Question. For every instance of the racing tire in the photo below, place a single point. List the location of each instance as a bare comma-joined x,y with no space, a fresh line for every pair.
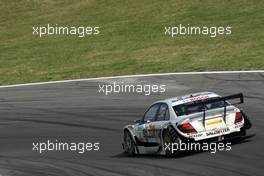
129,144
169,140
248,124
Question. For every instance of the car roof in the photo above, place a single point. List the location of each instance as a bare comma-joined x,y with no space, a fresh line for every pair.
189,98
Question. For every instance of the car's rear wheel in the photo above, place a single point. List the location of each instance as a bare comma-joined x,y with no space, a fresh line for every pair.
170,144
129,144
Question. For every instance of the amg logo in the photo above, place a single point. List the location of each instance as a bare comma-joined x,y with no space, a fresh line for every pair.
219,131
196,135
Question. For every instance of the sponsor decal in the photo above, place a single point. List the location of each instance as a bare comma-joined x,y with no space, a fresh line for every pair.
199,98
196,135
150,131
151,126
217,131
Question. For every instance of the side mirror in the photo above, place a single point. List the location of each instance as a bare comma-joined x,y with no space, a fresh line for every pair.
148,121
137,121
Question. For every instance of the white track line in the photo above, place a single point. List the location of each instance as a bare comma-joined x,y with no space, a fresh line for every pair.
131,76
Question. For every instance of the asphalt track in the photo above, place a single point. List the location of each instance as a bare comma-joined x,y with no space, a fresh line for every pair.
76,111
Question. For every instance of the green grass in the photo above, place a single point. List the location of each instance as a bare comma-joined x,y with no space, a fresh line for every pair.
131,41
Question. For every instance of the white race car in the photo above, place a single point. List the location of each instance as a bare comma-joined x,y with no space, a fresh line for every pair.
202,116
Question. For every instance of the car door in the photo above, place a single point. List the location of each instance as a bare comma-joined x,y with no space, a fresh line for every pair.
162,117
144,129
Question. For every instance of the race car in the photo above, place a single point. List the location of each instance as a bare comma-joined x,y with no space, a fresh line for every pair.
202,116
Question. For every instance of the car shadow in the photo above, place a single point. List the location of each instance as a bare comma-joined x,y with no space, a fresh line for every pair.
183,154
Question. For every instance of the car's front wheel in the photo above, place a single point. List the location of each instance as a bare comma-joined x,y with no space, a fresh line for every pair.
129,144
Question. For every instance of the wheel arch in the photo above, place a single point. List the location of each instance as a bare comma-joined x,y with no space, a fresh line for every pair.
127,129
171,129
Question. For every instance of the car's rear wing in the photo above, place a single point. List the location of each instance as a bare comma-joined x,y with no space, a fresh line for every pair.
217,99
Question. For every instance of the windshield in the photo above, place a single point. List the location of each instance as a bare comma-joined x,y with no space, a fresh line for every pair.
183,110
